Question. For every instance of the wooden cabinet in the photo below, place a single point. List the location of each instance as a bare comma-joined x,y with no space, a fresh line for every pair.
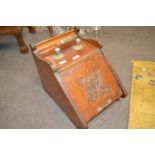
76,74
17,32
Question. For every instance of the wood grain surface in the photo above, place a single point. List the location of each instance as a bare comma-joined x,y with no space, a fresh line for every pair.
71,79
82,82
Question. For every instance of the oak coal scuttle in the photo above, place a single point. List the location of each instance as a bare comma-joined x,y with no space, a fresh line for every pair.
76,74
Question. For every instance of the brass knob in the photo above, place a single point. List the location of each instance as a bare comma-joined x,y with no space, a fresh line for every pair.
78,45
78,41
57,51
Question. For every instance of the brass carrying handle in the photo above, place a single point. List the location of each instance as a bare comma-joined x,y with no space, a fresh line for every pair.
67,40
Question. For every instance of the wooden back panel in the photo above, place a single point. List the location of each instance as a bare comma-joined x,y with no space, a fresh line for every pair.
45,50
54,41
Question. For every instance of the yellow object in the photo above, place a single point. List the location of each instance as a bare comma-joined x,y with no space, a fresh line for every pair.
142,99
58,56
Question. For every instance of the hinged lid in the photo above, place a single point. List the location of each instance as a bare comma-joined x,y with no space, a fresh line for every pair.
65,50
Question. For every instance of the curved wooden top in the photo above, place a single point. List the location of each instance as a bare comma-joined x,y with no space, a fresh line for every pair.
66,42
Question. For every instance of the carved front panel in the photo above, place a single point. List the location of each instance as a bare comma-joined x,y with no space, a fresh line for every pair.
90,85
94,85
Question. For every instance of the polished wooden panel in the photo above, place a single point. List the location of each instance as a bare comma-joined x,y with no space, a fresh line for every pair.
69,54
91,85
48,44
53,88
85,84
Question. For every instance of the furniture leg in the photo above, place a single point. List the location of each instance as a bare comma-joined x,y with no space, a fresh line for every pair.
50,30
20,41
31,29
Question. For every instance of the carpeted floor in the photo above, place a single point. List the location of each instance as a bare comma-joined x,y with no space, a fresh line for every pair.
23,102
